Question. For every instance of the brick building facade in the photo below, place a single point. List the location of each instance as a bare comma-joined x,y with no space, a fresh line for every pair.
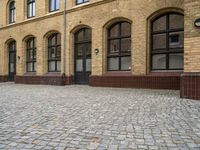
113,43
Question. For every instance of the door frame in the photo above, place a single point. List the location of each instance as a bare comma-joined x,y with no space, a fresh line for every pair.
84,55
11,76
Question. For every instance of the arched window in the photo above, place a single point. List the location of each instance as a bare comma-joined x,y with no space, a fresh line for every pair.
53,5
12,12
54,53
119,47
31,55
30,8
167,46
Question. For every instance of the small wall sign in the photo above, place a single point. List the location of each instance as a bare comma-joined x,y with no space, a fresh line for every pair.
197,23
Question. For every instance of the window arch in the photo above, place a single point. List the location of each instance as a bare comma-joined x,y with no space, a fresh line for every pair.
12,12
30,8
54,53
31,55
53,5
167,42
119,47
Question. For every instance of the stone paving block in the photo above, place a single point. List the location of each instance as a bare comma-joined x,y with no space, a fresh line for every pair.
83,117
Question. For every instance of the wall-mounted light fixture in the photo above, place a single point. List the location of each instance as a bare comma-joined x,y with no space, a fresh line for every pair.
96,51
197,23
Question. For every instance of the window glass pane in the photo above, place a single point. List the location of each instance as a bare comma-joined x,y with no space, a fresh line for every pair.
126,29
29,10
12,19
58,66
12,57
31,43
12,67
176,21
81,1
52,5
58,52
34,9
80,48
30,67
126,63
53,40
88,50
57,4
58,39
81,35
79,65
114,31
160,24
159,41
12,46
159,61
114,46
35,65
88,64
113,63
12,5
126,45
176,61
35,55
29,55
52,52
176,39
52,65
87,34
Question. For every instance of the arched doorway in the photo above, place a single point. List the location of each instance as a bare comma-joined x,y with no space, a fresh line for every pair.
12,61
82,56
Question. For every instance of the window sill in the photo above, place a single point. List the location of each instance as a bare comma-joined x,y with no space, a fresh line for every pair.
30,74
10,24
30,18
81,4
53,74
118,73
165,73
53,12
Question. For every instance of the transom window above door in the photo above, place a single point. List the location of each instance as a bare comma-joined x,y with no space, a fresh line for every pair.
167,42
81,1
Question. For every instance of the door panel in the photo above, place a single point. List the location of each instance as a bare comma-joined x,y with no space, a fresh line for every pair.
12,61
82,57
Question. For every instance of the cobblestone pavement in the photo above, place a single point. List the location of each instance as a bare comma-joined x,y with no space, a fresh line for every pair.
83,117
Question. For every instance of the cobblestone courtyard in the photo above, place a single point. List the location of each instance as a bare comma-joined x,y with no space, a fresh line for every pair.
83,117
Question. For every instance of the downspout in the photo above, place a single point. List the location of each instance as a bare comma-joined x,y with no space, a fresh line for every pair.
65,35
